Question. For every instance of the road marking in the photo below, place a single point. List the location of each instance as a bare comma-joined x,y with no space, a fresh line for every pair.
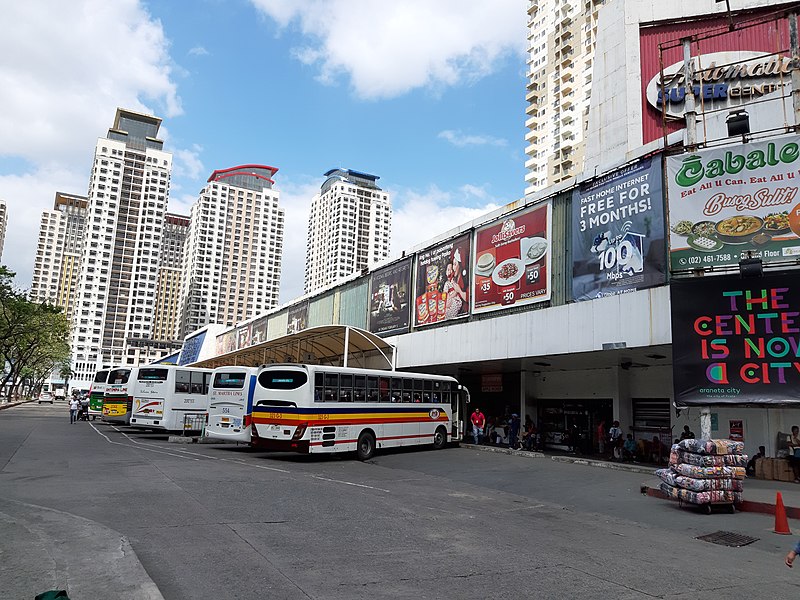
361,485
110,441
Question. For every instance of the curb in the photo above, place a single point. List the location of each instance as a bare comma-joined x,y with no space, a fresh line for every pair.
6,405
590,462
764,508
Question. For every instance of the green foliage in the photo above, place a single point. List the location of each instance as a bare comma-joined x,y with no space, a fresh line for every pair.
34,338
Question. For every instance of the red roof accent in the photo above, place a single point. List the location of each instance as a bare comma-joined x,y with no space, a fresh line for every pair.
242,170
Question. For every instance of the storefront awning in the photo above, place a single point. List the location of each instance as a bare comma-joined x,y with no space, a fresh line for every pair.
338,345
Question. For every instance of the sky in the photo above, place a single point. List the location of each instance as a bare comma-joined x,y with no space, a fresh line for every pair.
427,95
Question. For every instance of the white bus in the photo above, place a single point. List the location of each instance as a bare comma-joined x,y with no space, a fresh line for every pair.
230,403
118,399
97,392
164,395
314,408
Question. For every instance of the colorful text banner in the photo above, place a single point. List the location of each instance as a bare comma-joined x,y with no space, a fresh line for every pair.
442,284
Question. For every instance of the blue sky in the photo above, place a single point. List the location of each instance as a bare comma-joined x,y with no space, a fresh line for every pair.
430,96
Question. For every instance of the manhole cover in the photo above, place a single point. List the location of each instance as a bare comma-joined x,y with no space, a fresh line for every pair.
728,538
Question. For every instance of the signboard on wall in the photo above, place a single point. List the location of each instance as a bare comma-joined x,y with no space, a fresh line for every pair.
389,306
297,319
512,260
258,331
736,430
442,282
728,203
736,341
191,349
618,243
243,333
226,342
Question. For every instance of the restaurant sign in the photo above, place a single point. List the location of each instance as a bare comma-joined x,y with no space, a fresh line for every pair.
735,202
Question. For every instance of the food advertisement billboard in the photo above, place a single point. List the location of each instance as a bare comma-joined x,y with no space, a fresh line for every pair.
297,319
735,202
618,243
512,260
442,284
389,307
735,340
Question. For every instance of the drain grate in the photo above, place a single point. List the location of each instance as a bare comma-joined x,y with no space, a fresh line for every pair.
728,538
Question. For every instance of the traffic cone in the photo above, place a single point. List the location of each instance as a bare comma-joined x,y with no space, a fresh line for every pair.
781,522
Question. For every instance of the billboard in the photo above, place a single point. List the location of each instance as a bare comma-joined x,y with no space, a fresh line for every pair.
226,342
389,307
297,319
442,282
190,351
512,260
618,243
735,341
258,331
735,202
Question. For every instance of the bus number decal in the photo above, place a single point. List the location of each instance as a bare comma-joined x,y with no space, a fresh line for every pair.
226,410
274,415
188,401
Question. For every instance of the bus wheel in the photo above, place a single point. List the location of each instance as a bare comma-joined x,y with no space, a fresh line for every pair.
440,438
366,446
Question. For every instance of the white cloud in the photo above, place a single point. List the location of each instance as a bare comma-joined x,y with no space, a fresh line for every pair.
198,51
296,201
68,66
186,163
390,48
461,140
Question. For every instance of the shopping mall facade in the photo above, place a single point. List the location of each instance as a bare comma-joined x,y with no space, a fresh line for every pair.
661,282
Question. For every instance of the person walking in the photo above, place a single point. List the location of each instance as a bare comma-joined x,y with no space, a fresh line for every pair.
478,421
513,431
73,409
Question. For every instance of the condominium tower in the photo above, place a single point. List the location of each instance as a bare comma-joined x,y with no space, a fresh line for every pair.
166,322
127,199
561,45
349,228
58,252
232,261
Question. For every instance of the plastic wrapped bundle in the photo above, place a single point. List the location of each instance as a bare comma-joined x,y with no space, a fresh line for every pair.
715,447
698,485
678,456
710,497
696,472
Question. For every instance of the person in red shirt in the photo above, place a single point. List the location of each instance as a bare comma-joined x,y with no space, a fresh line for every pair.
601,437
478,421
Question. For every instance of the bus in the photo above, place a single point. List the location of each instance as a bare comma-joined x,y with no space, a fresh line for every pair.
315,408
230,403
96,393
117,399
163,395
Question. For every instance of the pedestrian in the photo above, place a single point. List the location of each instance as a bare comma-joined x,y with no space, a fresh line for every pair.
615,440
601,437
687,434
513,431
73,409
792,555
478,421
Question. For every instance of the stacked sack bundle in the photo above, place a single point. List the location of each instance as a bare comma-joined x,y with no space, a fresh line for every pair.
705,472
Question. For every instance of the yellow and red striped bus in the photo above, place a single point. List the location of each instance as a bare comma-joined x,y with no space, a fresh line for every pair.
118,395
316,408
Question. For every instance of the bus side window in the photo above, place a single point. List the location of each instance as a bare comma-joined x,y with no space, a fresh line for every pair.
206,382
360,388
397,389
418,386
385,389
331,387
318,387
182,382
445,397
408,388
345,388
373,391
196,382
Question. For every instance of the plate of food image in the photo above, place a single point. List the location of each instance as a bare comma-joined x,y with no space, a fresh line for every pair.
508,272
485,264
739,229
533,249
704,243
777,223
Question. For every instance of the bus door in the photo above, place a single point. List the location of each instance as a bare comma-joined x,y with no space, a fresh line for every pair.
458,406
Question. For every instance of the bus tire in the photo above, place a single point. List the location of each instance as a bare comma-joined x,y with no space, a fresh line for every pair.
365,449
440,438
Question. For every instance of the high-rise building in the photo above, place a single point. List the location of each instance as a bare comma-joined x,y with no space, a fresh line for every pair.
561,45
3,226
166,324
349,228
127,200
232,261
58,252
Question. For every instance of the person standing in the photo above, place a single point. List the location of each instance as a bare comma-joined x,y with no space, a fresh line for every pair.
478,421
513,431
601,437
73,409
687,434
615,440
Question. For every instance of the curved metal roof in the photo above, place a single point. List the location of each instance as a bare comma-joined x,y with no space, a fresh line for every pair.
338,345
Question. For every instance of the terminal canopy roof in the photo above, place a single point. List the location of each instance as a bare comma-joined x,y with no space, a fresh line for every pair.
337,345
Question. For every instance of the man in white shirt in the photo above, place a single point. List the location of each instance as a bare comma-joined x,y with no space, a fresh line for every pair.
73,409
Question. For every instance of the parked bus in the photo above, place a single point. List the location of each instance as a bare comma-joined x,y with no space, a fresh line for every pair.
314,408
163,395
230,403
117,400
96,393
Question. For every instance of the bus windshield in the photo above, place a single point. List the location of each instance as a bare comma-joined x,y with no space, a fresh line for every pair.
100,377
229,381
153,374
119,376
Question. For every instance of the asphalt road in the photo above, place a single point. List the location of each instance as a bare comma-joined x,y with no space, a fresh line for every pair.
224,522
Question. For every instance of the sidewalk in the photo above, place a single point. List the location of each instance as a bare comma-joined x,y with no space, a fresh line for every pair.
5,405
759,494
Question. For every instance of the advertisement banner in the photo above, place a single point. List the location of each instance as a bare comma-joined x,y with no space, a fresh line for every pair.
389,309
441,287
736,341
258,329
190,351
243,333
512,260
730,203
226,342
297,319
618,243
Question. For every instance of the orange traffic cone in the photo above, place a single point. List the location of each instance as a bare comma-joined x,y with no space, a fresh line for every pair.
781,522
